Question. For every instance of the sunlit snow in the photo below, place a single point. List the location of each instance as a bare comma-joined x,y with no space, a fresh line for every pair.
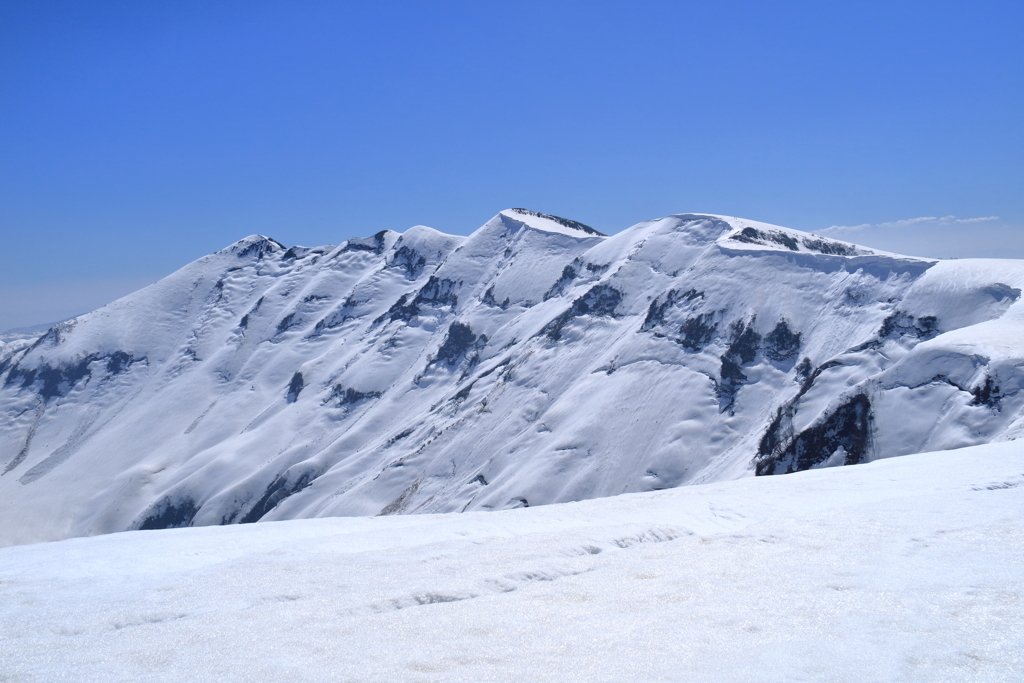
908,569
534,362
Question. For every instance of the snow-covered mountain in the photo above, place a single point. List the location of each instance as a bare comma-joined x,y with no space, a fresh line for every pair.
535,361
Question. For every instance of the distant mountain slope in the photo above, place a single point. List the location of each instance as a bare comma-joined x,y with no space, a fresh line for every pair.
20,333
534,362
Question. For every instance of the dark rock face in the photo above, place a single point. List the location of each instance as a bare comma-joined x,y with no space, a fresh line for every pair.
294,388
400,310
988,394
55,380
408,259
803,370
848,426
297,253
999,291
459,341
781,343
900,324
823,246
58,380
346,396
54,336
778,345
437,292
731,372
659,307
118,362
170,513
781,428
373,244
259,248
566,279
279,489
746,342
286,323
336,318
601,300
764,237
575,225
698,332
489,299
244,322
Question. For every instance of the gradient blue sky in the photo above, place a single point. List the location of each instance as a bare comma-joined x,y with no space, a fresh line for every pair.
137,136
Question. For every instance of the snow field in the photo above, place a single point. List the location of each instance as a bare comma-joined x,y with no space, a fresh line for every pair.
907,569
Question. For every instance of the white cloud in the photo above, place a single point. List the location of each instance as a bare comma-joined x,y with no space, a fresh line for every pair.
846,228
908,222
977,220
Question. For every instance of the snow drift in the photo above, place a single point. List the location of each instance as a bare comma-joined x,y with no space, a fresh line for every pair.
903,570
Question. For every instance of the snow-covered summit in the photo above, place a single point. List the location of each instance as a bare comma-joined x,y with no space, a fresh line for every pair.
534,361
754,236
544,221
256,246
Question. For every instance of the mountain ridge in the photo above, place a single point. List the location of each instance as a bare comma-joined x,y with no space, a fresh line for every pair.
530,362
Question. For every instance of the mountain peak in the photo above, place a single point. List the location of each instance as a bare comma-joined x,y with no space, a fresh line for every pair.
545,221
750,235
740,234
255,245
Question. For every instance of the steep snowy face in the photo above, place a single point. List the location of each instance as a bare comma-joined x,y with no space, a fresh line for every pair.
536,361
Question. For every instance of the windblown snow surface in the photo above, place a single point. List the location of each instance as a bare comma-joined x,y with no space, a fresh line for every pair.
534,362
908,569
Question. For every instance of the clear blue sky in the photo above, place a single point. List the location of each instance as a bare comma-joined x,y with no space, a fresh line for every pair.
137,136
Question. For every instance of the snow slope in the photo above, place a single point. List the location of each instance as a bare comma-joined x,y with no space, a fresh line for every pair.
534,362
901,570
